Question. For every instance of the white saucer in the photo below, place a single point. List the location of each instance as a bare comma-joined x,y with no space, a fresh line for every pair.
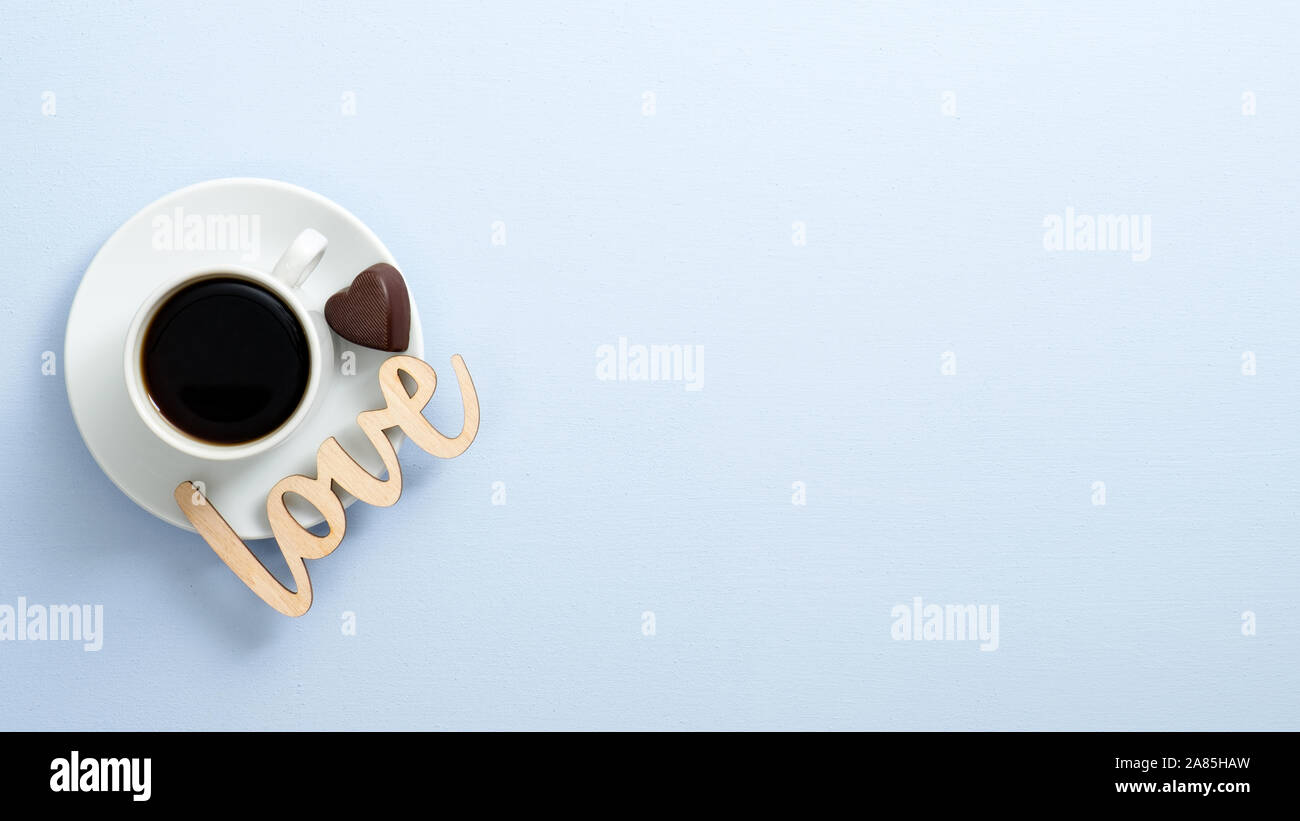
123,274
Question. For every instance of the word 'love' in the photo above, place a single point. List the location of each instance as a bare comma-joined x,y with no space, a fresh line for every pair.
335,467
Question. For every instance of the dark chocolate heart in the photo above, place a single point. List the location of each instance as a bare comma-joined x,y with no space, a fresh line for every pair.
374,311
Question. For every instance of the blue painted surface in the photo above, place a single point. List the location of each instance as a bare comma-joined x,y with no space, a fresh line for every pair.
822,363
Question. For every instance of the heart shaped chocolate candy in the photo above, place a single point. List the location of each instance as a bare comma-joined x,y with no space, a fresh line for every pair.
374,311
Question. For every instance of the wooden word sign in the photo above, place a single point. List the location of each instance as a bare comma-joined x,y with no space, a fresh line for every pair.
335,467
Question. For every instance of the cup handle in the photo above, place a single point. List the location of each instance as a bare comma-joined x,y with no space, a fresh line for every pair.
300,258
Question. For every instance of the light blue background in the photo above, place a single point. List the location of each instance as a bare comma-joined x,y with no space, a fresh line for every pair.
822,363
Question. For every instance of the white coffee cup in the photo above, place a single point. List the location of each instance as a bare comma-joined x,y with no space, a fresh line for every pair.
284,281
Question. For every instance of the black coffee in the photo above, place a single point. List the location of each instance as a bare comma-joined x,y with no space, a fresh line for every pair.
225,360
